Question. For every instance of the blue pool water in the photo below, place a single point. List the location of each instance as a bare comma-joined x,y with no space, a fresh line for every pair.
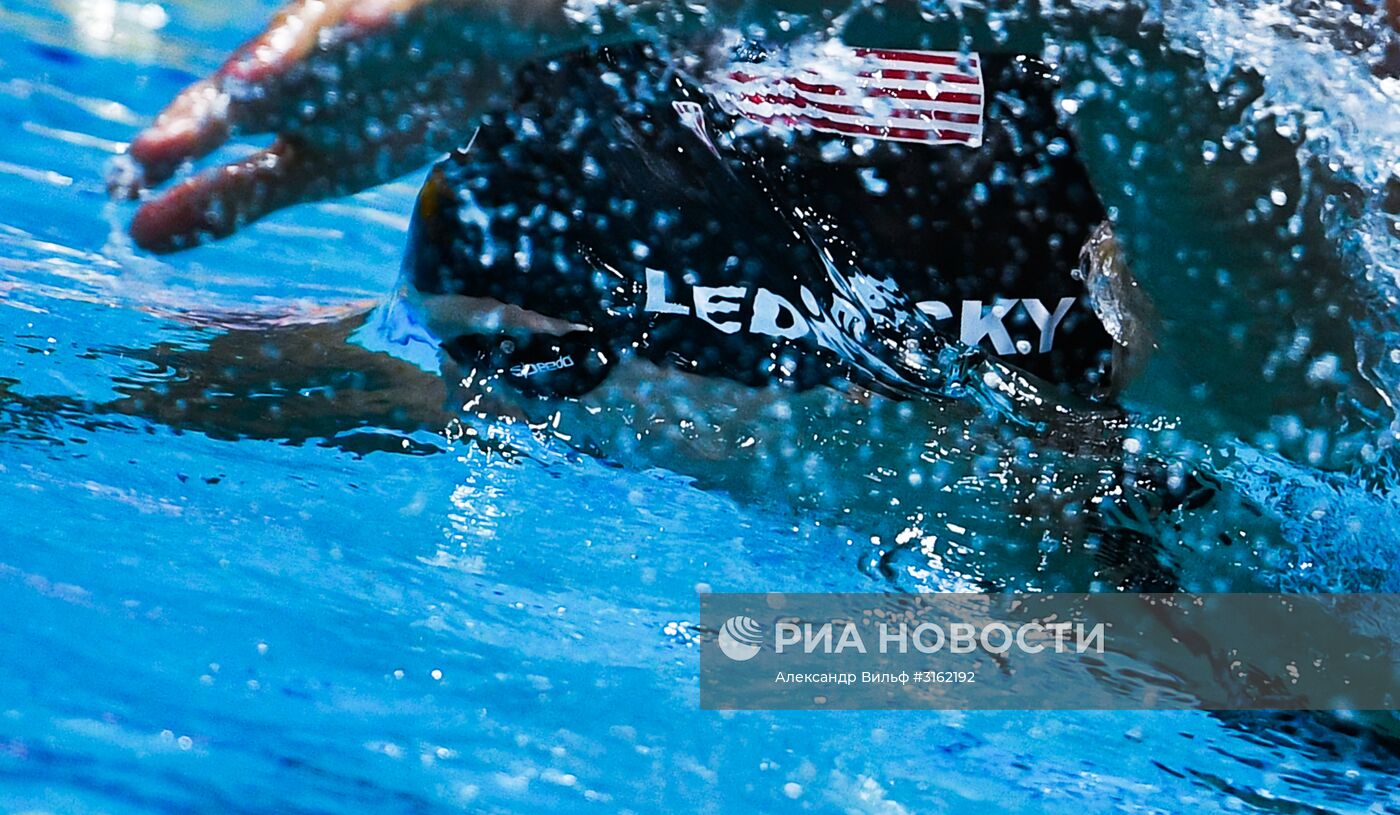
247,622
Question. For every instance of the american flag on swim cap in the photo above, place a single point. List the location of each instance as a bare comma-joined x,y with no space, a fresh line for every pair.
928,97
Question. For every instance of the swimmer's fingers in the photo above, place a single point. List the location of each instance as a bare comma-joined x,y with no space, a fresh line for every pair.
218,202
204,115
189,127
390,131
215,202
254,89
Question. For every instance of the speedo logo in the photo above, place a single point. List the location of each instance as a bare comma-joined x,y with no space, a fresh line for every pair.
529,369
773,315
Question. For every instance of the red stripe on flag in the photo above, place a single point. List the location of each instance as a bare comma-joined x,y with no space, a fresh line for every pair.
959,98
812,87
919,76
912,76
852,110
915,56
925,96
819,122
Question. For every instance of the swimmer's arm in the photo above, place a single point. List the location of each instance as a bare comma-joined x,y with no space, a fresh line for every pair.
355,91
361,91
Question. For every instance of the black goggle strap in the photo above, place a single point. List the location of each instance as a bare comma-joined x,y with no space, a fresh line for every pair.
539,365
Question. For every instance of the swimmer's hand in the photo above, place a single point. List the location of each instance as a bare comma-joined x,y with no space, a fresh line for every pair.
356,92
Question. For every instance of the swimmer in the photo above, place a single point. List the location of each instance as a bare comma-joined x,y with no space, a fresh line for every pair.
911,211
721,243
870,303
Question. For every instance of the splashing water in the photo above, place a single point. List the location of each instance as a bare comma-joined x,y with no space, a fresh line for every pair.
225,592
1330,84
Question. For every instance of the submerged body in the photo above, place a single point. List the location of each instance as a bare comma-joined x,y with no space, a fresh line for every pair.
707,277
640,256
649,259
750,228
